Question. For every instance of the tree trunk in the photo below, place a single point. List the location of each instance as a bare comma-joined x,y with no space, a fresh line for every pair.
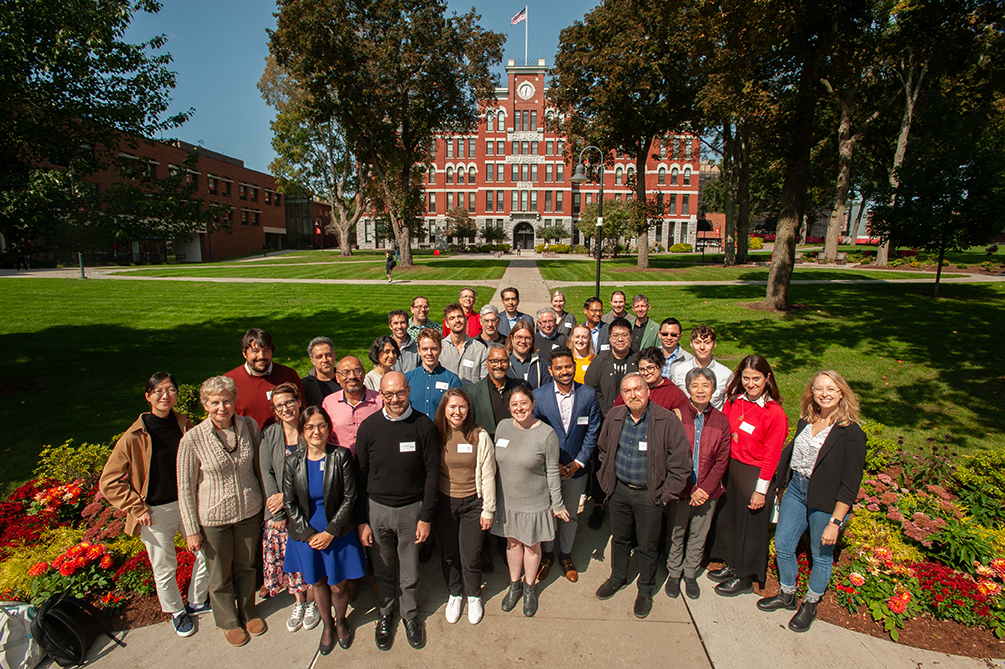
938,269
727,173
643,205
846,144
743,193
343,242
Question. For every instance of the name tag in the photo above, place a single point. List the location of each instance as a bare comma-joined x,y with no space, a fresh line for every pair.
407,447
747,427
643,445
268,395
442,385
585,367
567,325
321,465
502,443
605,347
467,363
465,448
583,420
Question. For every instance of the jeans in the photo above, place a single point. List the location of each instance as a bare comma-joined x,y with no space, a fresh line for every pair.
793,518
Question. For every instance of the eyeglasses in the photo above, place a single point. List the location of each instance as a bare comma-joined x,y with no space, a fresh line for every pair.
285,406
164,392
645,371
352,372
401,394
497,363
829,389
621,336
672,335
490,320
320,427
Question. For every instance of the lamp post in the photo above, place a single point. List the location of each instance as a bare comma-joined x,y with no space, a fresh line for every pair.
580,178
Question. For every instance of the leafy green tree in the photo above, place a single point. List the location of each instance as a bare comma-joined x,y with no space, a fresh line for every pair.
393,74
460,225
492,234
70,91
550,233
617,223
625,78
312,157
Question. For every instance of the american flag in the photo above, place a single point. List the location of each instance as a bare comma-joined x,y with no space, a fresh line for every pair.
520,16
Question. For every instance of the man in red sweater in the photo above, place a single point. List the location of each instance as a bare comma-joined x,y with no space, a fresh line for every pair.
257,377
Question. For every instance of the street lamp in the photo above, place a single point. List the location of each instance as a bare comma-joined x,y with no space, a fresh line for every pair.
580,178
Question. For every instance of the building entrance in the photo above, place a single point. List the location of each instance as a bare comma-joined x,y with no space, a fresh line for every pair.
523,234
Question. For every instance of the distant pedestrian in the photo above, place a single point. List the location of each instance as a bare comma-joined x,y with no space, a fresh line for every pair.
265,251
389,264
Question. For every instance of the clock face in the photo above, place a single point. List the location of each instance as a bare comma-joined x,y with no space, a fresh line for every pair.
525,90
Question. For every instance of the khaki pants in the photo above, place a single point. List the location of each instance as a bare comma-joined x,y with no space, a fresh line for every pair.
158,537
232,593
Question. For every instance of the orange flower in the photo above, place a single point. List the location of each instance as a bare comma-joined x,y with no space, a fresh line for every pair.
882,553
989,588
897,604
999,566
38,569
905,596
107,562
67,569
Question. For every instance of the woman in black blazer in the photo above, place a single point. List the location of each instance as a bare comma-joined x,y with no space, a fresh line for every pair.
319,492
822,468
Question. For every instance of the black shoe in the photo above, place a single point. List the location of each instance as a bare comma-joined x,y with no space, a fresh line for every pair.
691,588
413,632
346,642
609,588
425,552
722,575
384,635
783,600
643,604
326,648
735,586
529,600
804,617
512,596
596,518
672,588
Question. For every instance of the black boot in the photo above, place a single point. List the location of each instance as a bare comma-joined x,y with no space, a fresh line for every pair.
804,617
722,575
529,600
512,596
735,586
783,600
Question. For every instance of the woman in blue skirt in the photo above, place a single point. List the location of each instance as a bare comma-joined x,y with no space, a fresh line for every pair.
319,492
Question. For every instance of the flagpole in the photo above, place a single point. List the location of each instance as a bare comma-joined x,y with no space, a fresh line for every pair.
526,27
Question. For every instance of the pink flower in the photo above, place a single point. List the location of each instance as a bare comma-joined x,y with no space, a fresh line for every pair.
872,507
896,604
989,588
856,578
882,552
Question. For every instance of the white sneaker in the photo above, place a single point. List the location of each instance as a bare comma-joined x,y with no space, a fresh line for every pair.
454,605
296,619
311,616
475,610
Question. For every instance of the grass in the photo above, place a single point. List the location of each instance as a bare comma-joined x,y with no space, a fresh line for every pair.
456,269
922,367
79,352
689,268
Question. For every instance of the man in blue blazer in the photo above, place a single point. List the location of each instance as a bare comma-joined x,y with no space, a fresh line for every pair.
572,410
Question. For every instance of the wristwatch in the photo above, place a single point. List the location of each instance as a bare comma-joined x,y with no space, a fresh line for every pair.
836,521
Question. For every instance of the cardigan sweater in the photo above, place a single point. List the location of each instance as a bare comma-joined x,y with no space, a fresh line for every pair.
837,473
216,487
126,475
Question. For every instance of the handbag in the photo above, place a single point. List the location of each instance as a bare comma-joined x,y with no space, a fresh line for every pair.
66,627
18,650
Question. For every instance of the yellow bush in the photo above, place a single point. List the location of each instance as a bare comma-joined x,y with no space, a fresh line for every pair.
14,578
871,528
755,243
67,462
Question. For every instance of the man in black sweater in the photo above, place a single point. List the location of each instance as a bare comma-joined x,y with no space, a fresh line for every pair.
398,450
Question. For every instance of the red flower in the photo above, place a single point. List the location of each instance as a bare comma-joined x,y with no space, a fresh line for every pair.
896,604
67,569
107,562
38,569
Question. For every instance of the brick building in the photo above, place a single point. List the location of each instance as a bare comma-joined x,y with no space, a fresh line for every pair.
511,173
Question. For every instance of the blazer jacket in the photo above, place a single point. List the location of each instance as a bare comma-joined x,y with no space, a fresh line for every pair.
272,455
650,333
584,427
481,402
668,461
837,473
339,491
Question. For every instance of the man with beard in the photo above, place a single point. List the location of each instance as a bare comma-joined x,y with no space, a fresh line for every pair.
408,352
487,395
490,326
349,407
257,377
618,302
320,381
462,354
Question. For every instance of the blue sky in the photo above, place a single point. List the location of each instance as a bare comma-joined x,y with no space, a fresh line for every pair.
219,49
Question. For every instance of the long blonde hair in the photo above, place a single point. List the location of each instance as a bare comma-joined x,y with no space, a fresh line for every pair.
847,411
589,340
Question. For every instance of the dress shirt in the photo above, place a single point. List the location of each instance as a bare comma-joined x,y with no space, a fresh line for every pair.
807,446
428,387
565,402
346,418
630,460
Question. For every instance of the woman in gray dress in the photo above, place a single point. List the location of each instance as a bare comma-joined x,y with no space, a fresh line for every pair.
528,494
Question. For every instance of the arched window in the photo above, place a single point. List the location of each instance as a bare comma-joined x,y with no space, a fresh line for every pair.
500,122
687,176
450,175
630,174
432,174
673,177
661,178
490,120
460,175
619,176
471,175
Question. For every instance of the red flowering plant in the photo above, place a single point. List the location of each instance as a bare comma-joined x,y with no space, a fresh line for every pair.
83,569
136,574
950,594
18,526
62,499
887,589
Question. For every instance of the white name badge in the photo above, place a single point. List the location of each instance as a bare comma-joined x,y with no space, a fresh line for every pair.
407,447
467,363
442,385
605,347
268,395
465,448
585,367
643,445
567,325
502,443
747,427
583,420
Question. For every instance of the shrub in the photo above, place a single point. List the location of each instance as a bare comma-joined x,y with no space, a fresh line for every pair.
868,528
980,483
539,248
755,243
897,262
961,545
560,248
20,527
579,248
962,266
136,574
952,595
67,462
880,450
15,576
681,247
188,402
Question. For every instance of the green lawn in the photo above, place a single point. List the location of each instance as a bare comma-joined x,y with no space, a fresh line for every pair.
332,255
79,352
924,367
689,268
453,269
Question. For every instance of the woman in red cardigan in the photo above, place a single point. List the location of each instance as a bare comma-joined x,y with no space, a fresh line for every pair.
759,427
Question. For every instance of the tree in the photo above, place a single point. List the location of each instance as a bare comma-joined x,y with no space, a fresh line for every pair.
69,82
461,225
624,78
312,157
617,223
393,74
492,234
550,233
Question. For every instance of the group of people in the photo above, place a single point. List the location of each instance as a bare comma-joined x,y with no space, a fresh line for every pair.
490,426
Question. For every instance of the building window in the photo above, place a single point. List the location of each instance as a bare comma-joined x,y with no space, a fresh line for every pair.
490,172
489,200
514,204
432,203
661,178
533,200
490,148
225,189
471,147
687,176
533,121
619,176
450,202
244,217
501,148
560,172
515,148
589,198
254,194
535,149
471,175
547,201
526,120
549,148
501,172
471,202
524,148
276,199
687,150
547,173
268,196
617,196
500,202
515,173
432,174
663,149
673,176
576,200
211,184
659,233
460,175
659,203
685,202
560,147
558,201
525,172
450,148
533,173
242,192
490,121
501,123
672,205
523,200
450,175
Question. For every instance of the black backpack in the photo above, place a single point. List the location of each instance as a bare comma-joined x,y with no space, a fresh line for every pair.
66,627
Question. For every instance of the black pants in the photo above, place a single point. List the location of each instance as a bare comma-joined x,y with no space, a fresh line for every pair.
631,508
459,532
